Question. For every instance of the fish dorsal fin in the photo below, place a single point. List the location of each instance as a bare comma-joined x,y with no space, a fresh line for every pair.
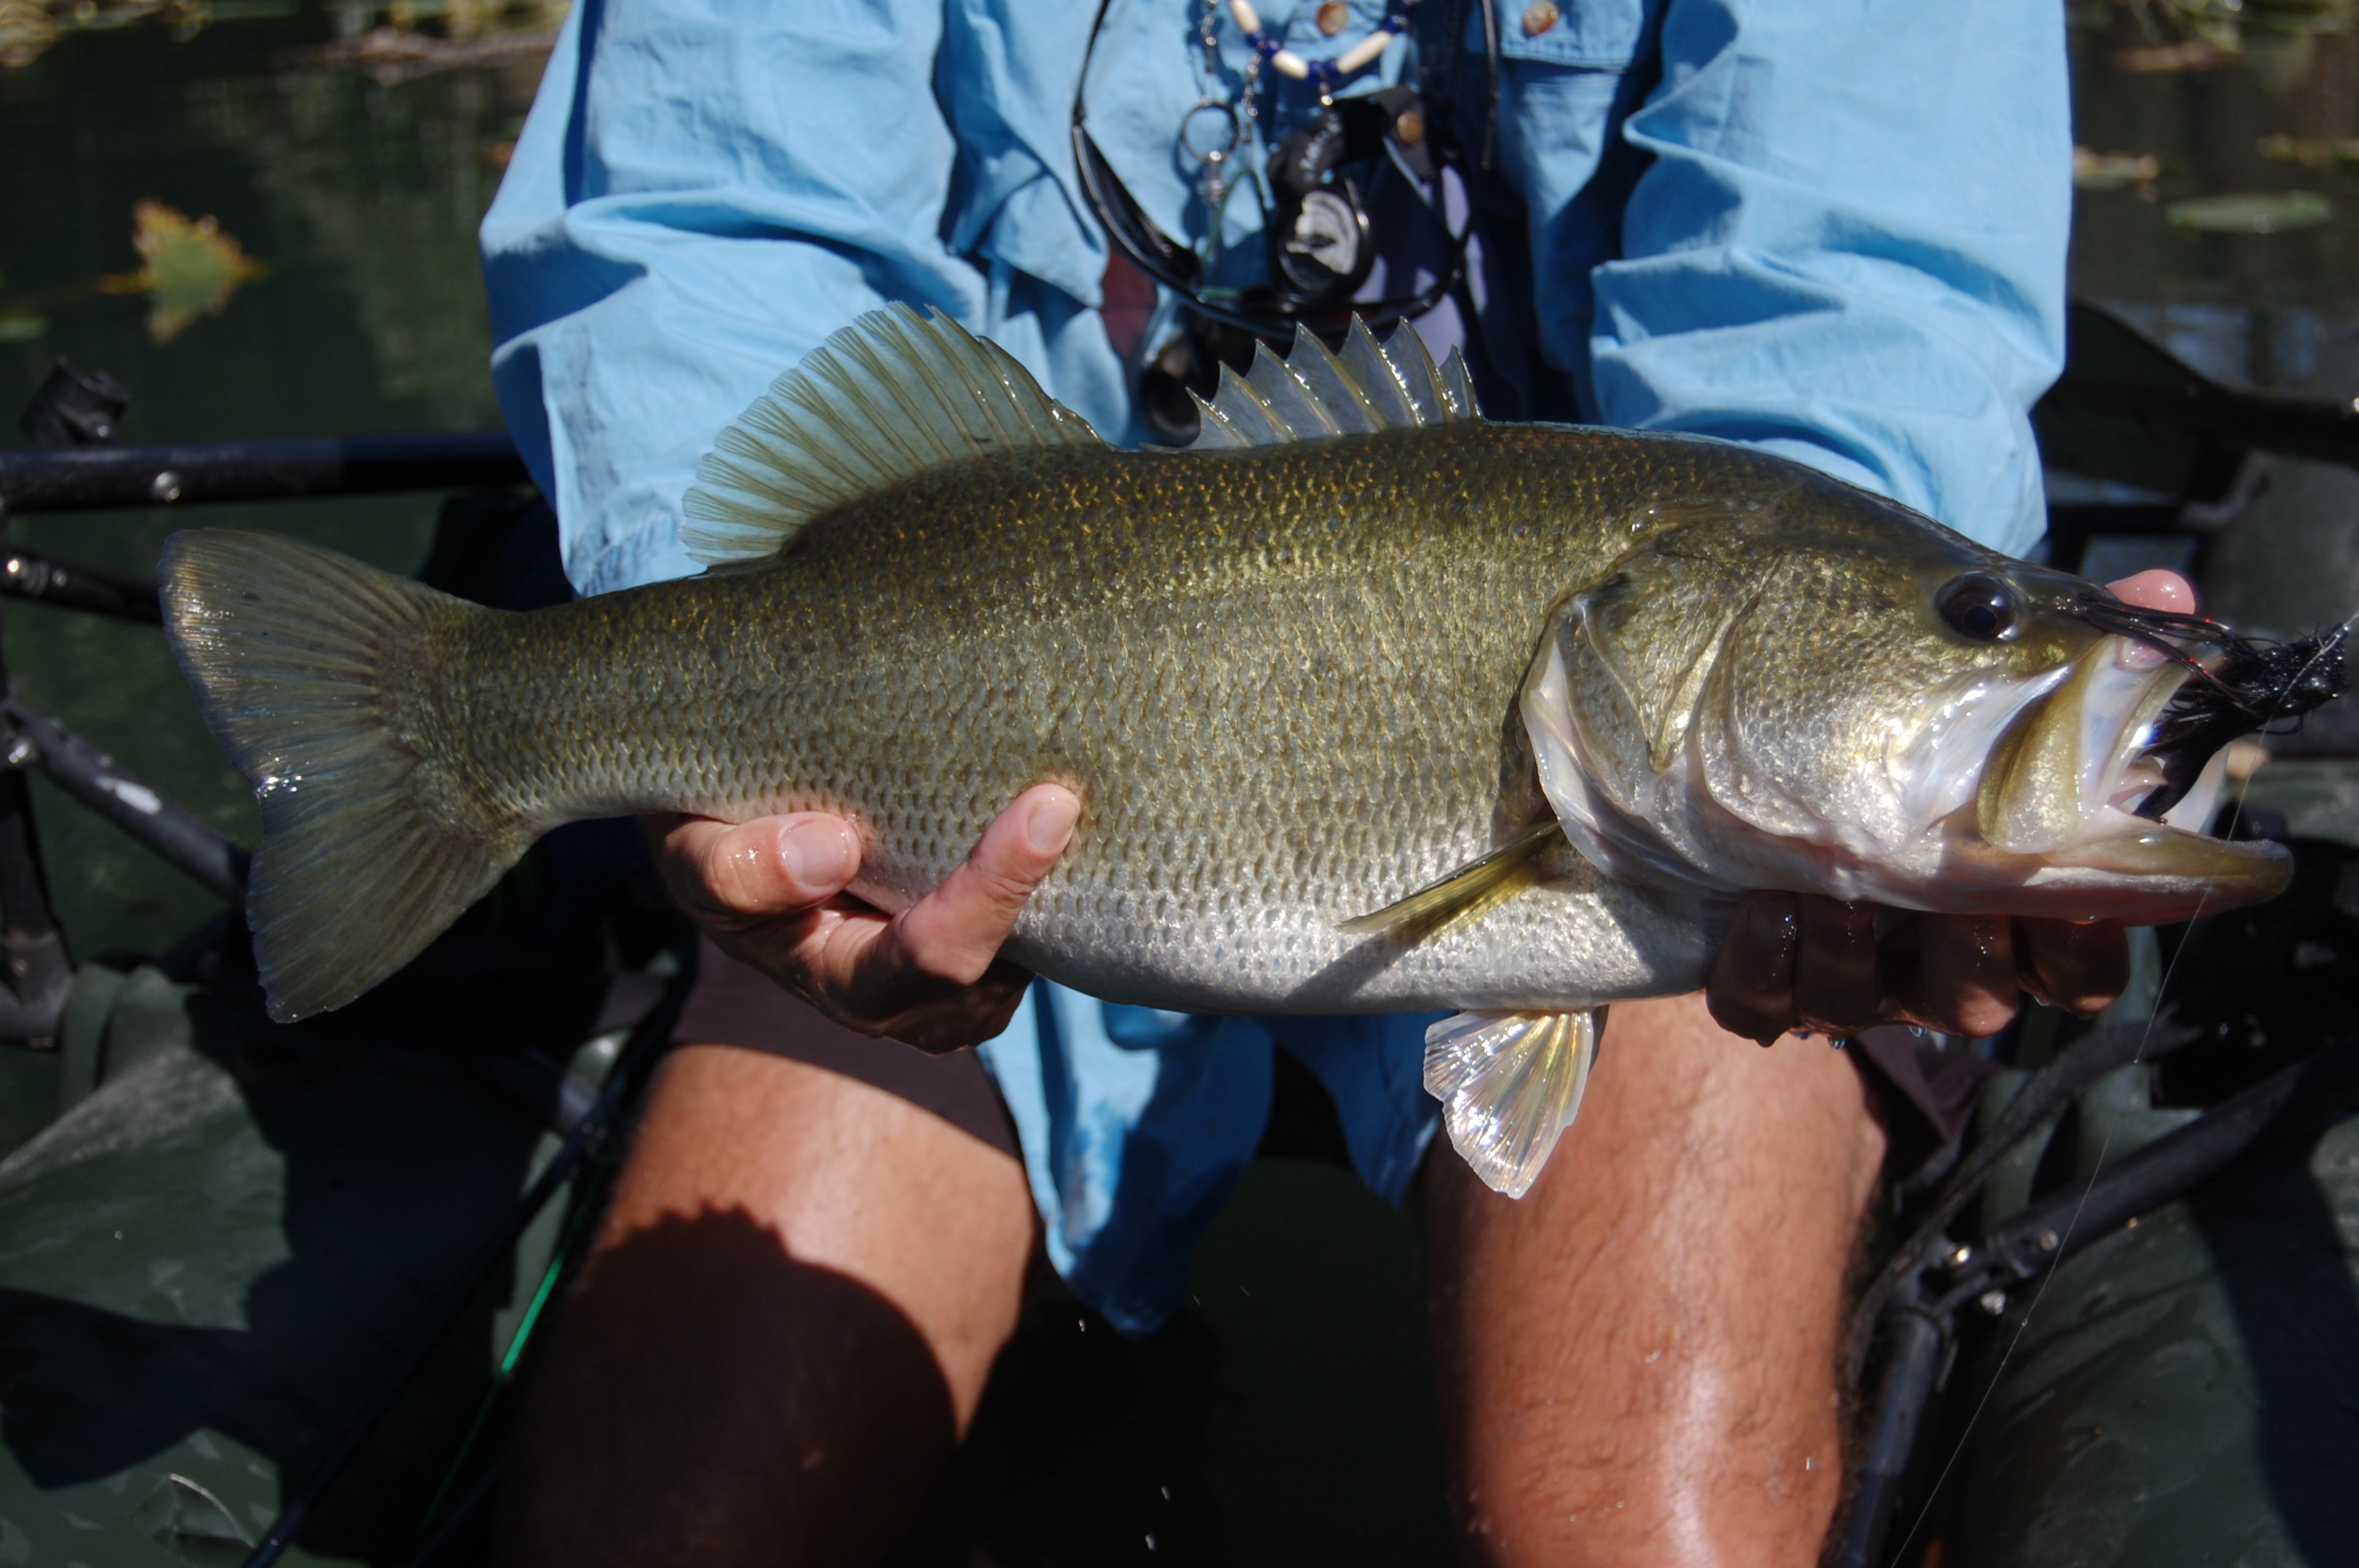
891,395
1392,385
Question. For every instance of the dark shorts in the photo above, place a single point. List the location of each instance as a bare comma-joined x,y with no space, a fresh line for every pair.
735,1004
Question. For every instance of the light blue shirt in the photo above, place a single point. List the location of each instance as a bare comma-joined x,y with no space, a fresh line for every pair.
1834,229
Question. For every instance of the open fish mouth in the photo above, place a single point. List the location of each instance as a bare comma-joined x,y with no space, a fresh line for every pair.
2117,772
2245,685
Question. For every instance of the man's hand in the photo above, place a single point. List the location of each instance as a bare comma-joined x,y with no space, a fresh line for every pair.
1799,961
770,893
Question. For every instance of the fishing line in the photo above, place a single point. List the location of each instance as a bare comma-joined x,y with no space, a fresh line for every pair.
2320,649
2031,1308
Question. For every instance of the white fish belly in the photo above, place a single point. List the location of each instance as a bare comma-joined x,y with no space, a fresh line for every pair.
1553,947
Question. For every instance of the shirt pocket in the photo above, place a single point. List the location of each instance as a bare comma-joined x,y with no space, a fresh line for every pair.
1594,35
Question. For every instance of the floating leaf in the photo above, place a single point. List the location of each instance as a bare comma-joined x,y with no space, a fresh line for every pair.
2340,154
2192,54
191,269
22,326
2093,170
26,30
2252,212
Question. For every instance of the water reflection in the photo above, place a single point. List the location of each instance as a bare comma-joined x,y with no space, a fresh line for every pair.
28,28
363,199
2234,130
2214,124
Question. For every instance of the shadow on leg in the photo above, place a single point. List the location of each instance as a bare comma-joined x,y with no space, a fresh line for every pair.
784,1329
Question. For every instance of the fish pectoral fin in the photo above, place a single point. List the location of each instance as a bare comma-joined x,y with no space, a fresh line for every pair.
1473,890
1509,1084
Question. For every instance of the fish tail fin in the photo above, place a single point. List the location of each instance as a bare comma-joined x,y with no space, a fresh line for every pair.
312,670
1509,1084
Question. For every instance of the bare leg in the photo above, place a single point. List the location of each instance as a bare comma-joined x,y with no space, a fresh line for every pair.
1639,1358
783,1330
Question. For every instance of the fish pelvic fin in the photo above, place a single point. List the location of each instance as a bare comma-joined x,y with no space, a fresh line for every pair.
1467,894
1509,1084
887,397
308,665
1392,385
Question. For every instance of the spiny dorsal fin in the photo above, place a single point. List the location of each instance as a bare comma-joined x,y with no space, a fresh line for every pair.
889,396
1370,386
1471,890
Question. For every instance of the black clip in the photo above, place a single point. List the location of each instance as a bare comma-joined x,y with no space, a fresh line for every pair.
70,409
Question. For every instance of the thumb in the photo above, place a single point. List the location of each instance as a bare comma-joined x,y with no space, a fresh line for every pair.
759,869
954,933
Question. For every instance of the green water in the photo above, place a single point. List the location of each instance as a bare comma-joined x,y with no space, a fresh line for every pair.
362,200
2277,294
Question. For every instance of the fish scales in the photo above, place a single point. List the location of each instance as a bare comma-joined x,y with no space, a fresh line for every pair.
1280,680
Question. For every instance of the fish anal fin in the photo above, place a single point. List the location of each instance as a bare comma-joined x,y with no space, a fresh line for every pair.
1509,1084
891,395
1467,893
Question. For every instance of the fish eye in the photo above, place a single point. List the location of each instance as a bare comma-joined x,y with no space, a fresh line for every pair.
1978,605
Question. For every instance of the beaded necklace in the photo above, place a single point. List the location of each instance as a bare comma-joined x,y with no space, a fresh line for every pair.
1216,131
1321,73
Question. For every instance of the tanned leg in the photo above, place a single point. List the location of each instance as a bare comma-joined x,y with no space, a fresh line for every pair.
1637,1359
784,1327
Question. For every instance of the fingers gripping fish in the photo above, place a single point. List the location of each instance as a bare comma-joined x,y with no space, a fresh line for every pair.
1372,705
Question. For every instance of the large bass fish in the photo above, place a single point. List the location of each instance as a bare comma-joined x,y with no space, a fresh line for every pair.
1372,705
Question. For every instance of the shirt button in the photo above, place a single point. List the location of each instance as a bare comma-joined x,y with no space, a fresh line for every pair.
1333,16
1539,18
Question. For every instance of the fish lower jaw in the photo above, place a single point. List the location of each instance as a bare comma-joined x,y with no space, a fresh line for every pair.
2122,867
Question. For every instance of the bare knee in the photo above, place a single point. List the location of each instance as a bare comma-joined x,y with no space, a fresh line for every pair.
781,1332
1639,1358
710,1399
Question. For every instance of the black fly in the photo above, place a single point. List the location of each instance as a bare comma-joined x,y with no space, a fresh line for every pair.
2237,684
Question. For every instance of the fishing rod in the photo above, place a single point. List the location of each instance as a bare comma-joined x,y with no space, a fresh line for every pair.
98,477
107,478
93,476
590,1143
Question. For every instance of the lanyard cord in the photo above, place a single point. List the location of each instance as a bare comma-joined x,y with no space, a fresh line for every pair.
1178,268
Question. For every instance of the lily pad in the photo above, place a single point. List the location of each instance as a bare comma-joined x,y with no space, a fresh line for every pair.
2340,154
2252,212
22,326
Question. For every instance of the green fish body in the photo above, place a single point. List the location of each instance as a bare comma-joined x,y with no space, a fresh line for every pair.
1373,705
